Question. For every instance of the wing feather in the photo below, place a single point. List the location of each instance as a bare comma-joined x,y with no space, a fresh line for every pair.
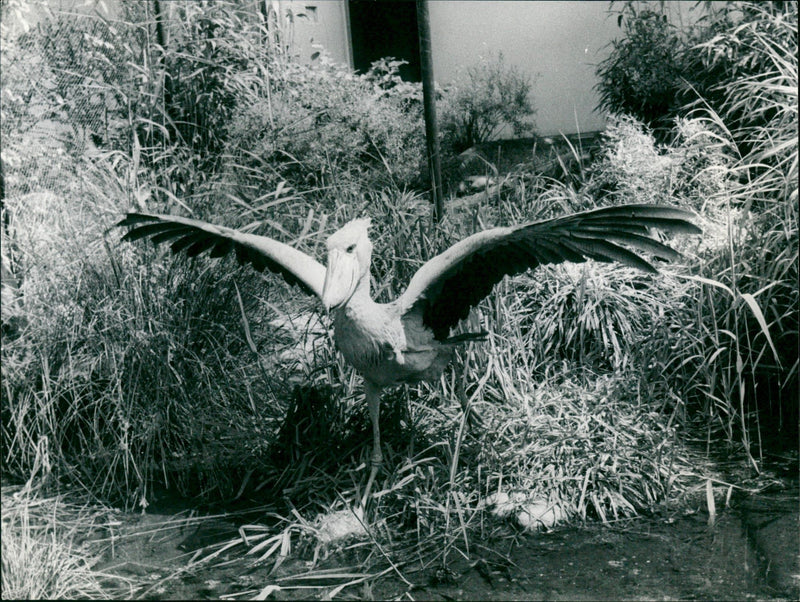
186,241
204,243
195,237
602,250
221,248
546,251
643,243
447,286
169,235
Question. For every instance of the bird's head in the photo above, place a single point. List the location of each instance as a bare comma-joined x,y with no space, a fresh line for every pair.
349,255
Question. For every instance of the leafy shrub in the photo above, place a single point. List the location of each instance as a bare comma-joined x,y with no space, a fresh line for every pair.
89,82
641,76
216,59
41,125
481,104
385,74
658,67
325,127
165,96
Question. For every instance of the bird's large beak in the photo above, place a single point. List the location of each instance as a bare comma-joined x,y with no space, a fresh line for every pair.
341,279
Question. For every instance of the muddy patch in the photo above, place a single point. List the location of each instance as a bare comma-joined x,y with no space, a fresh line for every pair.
642,559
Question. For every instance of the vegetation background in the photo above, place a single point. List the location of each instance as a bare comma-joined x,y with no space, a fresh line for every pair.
130,376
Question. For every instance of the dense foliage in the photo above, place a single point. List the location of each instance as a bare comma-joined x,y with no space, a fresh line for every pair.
642,74
669,57
325,128
734,71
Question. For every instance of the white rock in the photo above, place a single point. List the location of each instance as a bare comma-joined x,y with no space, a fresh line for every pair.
340,525
538,515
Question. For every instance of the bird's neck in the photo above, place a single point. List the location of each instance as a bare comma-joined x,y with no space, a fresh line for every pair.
352,314
362,292
358,300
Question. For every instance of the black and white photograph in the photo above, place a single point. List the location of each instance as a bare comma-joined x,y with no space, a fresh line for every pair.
399,300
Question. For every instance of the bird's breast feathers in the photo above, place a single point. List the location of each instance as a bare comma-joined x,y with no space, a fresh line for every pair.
380,345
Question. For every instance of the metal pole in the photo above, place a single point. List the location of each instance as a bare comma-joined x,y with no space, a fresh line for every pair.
429,104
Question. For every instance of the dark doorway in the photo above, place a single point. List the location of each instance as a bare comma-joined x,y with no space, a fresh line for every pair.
381,29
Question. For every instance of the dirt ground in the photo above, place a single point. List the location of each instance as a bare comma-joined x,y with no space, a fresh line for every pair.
751,552
643,560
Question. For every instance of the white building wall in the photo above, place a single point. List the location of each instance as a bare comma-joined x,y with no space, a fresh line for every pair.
323,24
556,44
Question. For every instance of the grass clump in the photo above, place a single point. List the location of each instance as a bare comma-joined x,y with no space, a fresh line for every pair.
49,549
115,349
749,313
592,448
728,339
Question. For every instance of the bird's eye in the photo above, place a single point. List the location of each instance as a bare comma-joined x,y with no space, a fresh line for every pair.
351,248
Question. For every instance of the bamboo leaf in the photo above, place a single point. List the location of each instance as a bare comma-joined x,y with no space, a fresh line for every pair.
754,307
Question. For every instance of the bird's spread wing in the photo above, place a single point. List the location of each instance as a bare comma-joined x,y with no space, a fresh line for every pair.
447,286
194,237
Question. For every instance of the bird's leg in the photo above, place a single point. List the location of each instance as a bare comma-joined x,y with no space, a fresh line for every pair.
411,422
373,395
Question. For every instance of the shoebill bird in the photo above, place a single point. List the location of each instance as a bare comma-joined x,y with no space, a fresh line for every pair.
408,340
